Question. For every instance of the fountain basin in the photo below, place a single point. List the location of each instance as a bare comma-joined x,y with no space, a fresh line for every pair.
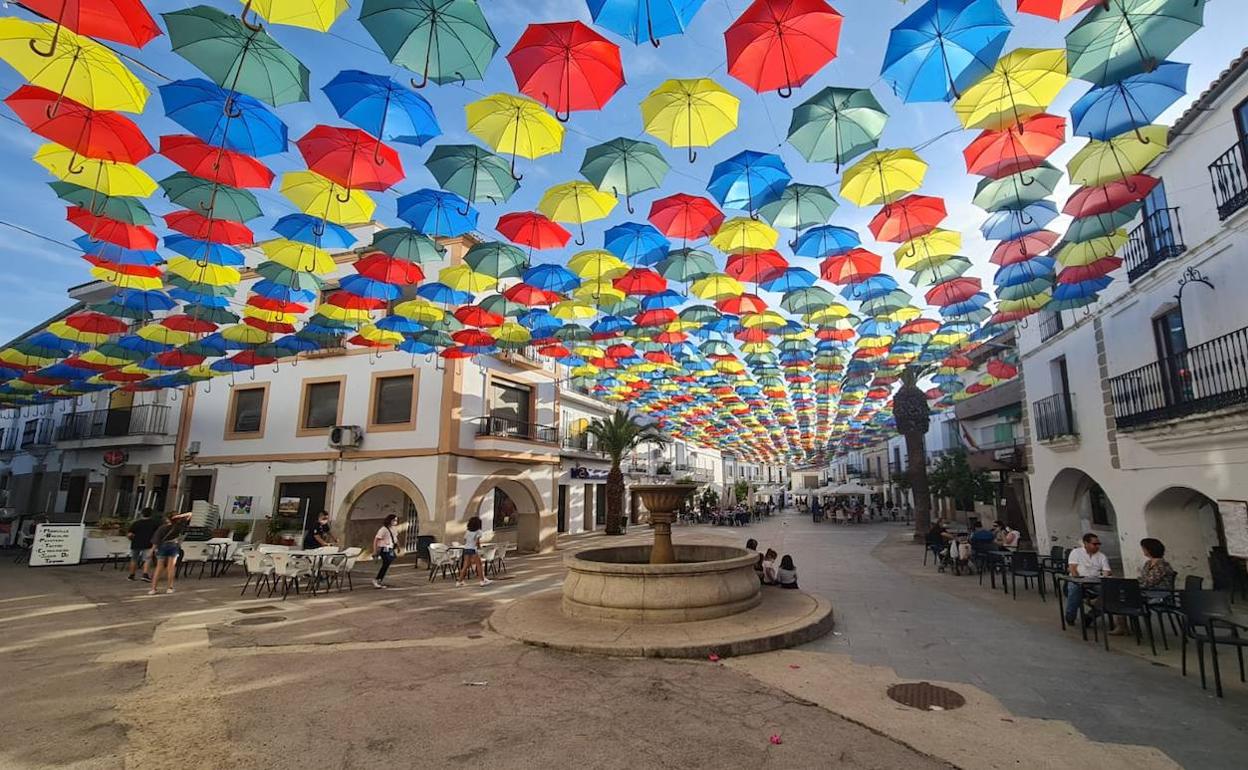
619,584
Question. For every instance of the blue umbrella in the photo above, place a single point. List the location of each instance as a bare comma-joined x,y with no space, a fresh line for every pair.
45,343
205,251
1081,289
637,243
1012,225
874,287
196,298
117,254
223,118
640,20
792,278
662,299
309,229
397,323
417,348
1137,101
551,277
143,301
227,366
443,294
826,241
297,344
1025,271
271,290
437,213
943,48
968,305
749,180
137,343
610,325
370,289
382,107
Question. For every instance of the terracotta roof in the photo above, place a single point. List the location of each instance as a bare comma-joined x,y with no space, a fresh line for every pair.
1234,71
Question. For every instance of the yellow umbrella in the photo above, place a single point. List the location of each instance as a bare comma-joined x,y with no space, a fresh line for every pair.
757,347
270,316
67,332
371,333
901,314
832,312
1027,304
690,113
78,68
314,194
97,358
882,177
463,278
515,126
1087,252
103,176
571,310
301,257
928,250
576,203
742,235
599,292
420,311
1099,163
597,265
768,319
203,272
344,314
584,370
717,286
163,335
245,334
125,280
1022,84
511,332
309,14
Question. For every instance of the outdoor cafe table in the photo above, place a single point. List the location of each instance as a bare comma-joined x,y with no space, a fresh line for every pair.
219,551
318,557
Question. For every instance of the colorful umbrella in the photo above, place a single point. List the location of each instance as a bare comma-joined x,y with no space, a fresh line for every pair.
1017,191
382,107
499,260
314,194
779,44
75,67
577,203
350,158
317,15
882,177
943,47
748,180
741,234
215,164
687,217
529,228
689,113
1057,10
566,66
1121,38
121,208
837,125
210,198
99,134
851,267
636,243
443,40
908,218
471,172
1018,148
103,176
514,126
437,213
800,206
624,166
1102,162
225,119
640,20
1091,201
1023,83
121,21
1131,104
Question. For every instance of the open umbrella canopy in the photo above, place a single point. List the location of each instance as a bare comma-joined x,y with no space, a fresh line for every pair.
944,47
350,158
837,125
77,67
1101,162
471,172
222,118
1130,104
749,180
624,167
1121,38
689,113
642,20
777,45
882,177
99,134
103,176
566,66
514,126
382,107
442,41
1023,83
317,15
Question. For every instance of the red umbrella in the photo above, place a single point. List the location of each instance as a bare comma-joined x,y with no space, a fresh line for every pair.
953,292
276,305
200,227
998,154
1091,201
179,358
851,267
686,216
530,296
100,134
1096,269
121,21
920,326
380,266
1001,370
758,267
89,322
778,44
640,281
555,351
346,299
453,353
472,315
1057,10
529,228
351,158
113,231
185,323
566,66
473,338
142,271
216,164
908,218
1023,249
746,303
957,361
251,358
660,316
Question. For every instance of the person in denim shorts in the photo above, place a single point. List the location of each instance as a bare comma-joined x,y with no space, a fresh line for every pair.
165,543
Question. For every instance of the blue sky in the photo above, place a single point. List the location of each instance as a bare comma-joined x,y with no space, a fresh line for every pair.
37,271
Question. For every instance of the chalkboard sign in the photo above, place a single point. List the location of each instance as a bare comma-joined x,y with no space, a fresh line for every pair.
57,544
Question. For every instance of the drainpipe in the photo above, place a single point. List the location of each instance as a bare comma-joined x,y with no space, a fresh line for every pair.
179,448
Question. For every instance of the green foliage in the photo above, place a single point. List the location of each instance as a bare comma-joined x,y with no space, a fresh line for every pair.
954,478
742,490
711,498
622,433
242,528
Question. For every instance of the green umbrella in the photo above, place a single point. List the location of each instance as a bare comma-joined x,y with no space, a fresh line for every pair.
837,125
500,260
571,332
951,268
500,305
1121,38
806,300
716,348
197,287
1017,191
128,210
1087,229
888,303
471,172
215,315
443,40
624,167
113,350
299,280
237,57
700,314
800,206
209,198
408,245
1026,289
687,265
434,338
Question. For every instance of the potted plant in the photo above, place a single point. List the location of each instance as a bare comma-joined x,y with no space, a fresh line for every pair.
241,530
273,530
664,469
107,526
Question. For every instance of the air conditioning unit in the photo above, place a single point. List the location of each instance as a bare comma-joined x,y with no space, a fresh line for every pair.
346,436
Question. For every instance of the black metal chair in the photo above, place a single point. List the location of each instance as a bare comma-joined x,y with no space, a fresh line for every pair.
1193,583
1026,564
1206,616
1055,564
1226,577
934,550
1124,598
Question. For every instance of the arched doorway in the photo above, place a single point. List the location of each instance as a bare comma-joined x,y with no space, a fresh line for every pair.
1077,504
373,499
1187,522
510,509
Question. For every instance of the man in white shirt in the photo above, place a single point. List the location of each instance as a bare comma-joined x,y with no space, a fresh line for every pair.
1087,561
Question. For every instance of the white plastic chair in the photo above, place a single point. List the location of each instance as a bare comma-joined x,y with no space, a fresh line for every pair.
490,557
117,548
195,553
258,565
291,568
353,555
269,548
440,558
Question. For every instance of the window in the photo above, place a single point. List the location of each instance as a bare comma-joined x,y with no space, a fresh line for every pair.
504,510
393,404
510,403
247,412
320,405
1099,504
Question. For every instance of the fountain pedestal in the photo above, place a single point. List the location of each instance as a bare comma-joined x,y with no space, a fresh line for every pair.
663,501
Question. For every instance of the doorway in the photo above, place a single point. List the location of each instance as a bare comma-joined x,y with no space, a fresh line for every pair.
196,488
301,500
562,510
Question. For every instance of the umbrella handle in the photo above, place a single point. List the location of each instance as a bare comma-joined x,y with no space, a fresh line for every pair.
514,175
786,92
380,161
70,166
208,387
654,41
56,34
424,81
242,16
580,239
230,109
693,156
341,199
466,209
319,229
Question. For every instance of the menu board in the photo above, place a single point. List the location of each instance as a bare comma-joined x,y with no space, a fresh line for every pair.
57,544
1235,524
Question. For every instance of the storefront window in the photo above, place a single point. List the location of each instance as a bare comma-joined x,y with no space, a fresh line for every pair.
504,510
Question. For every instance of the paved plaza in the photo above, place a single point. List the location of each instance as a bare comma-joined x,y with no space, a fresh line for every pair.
414,676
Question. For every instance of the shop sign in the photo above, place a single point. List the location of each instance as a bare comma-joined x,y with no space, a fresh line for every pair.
115,458
57,544
589,474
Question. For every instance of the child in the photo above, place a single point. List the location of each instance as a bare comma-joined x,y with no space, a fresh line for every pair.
472,557
769,568
786,576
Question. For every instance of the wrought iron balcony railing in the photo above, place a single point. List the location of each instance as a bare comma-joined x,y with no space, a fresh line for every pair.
1050,324
507,427
1158,238
37,432
1054,417
145,420
1230,181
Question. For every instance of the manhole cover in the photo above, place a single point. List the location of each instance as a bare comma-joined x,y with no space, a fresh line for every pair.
926,696
260,620
254,610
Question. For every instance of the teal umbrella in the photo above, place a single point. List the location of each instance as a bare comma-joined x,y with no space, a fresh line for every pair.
442,40
800,206
1121,38
954,267
500,305
128,210
1017,191
500,260
408,245
686,265
471,172
624,167
237,57
299,280
210,199
807,299
837,125
1087,229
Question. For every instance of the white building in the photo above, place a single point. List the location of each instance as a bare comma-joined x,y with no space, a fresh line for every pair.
1139,404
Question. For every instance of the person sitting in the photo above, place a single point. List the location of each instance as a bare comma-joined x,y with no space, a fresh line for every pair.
318,536
786,576
752,545
769,568
1155,573
937,538
1009,537
981,539
1087,561
960,553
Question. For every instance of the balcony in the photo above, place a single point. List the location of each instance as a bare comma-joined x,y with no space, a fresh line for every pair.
8,439
37,432
1207,377
507,427
581,442
146,420
1158,238
1230,181
1050,324
1054,417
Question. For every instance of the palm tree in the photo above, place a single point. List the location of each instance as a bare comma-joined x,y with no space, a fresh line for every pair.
617,436
913,417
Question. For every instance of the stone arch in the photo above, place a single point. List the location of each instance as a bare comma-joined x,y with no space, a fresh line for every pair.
1188,523
528,501
1076,504
372,499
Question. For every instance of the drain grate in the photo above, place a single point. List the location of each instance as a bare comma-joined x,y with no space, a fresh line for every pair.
259,620
254,610
926,696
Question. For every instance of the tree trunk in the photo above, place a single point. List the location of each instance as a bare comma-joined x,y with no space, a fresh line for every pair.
615,500
916,469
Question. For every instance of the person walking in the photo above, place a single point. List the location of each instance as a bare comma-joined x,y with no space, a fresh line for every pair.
140,535
472,555
386,548
165,544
